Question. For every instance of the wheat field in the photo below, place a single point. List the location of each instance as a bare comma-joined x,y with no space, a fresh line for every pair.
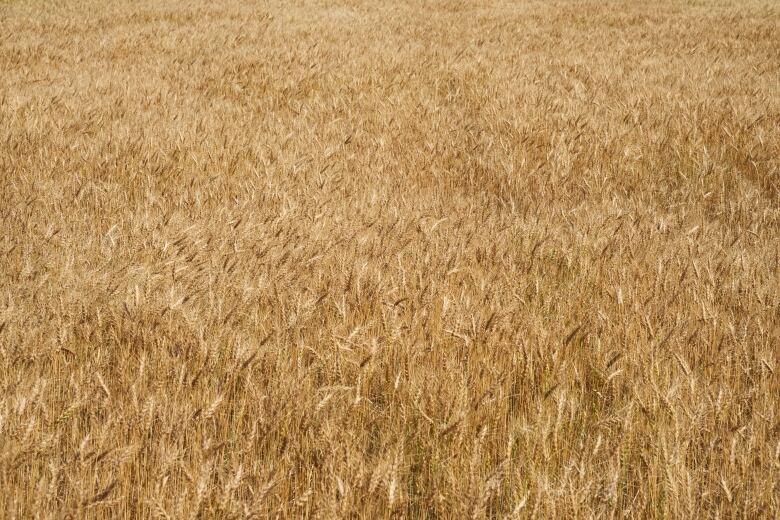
359,259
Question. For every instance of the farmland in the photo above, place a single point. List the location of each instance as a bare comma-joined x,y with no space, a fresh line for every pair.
417,259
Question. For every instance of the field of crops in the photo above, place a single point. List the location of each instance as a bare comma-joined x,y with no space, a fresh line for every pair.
416,259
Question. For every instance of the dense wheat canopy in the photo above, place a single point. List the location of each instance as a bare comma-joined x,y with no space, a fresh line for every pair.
424,259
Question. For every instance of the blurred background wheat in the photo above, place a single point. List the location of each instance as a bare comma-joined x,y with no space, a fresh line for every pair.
425,259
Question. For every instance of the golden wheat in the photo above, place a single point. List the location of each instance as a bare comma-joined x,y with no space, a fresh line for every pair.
438,259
